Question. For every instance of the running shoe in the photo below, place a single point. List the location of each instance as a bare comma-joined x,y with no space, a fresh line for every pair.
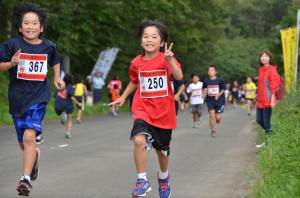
142,187
24,187
68,135
78,120
35,169
39,139
213,133
164,188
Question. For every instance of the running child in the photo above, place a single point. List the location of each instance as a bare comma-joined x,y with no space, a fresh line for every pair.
214,91
196,98
250,89
235,93
115,95
64,99
27,58
80,93
153,104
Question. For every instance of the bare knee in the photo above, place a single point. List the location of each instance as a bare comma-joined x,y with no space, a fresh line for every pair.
29,138
139,141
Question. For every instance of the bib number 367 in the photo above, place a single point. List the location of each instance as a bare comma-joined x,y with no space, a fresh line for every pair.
32,67
153,84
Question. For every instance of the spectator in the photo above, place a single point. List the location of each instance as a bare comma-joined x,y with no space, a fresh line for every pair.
98,84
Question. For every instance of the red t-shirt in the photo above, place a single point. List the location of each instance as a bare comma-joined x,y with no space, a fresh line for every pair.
154,99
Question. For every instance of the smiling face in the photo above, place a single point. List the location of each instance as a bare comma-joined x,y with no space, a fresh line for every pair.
151,40
31,26
265,59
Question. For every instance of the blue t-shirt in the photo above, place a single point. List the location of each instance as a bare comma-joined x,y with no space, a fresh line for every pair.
22,94
63,97
214,87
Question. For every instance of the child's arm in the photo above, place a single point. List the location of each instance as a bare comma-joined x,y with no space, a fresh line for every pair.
4,66
75,101
120,101
179,92
176,70
59,84
85,90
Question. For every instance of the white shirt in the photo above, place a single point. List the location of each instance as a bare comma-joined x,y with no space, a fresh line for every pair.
196,90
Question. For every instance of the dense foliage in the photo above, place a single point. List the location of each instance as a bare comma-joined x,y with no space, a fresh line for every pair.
228,33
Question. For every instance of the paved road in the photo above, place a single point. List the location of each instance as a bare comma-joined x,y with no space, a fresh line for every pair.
97,161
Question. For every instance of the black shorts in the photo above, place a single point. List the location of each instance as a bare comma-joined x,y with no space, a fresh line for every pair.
219,108
157,138
79,99
67,109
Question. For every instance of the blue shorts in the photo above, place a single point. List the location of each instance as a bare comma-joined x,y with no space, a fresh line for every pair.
31,119
211,105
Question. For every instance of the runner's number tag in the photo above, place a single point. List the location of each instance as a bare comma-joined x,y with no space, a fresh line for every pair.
197,93
32,67
153,84
213,90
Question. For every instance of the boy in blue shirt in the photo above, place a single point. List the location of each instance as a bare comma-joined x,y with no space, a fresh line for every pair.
27,58
214,87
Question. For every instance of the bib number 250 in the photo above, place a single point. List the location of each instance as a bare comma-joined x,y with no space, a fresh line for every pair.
156,82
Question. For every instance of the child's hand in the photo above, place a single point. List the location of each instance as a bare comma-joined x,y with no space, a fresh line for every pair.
119,102
168,53
59,84
15,58
217,97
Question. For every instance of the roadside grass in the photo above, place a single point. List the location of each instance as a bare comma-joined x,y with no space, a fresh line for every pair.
279,161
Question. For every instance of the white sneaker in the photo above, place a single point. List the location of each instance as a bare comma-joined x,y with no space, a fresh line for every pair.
260,145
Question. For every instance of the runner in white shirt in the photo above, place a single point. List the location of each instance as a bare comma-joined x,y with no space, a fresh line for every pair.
196,98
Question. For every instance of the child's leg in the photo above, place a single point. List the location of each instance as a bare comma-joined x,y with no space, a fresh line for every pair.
140,155
212,119
29,151
218,118
249,106
69,123
79,112
195,117
163,161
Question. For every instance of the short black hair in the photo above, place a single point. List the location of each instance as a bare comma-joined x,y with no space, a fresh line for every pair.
21,9
78,78
195,74
68,79
162,29
212,66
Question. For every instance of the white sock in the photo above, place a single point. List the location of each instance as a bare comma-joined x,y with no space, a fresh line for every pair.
142,176
26,177
163,175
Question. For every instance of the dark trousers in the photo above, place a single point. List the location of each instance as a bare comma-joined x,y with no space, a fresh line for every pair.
97,93
263,118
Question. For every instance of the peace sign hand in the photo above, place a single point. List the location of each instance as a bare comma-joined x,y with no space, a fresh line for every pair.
168,53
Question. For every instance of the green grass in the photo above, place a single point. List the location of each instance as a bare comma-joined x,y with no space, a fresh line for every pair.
279,161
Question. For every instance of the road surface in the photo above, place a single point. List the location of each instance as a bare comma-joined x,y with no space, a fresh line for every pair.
98,161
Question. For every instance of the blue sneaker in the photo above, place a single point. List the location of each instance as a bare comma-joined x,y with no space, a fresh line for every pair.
141,188
164,188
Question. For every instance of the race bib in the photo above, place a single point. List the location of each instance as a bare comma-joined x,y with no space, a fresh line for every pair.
197,93
32,67
153,84
213,90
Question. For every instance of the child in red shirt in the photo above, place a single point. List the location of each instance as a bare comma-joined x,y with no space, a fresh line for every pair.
153,105
115,95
